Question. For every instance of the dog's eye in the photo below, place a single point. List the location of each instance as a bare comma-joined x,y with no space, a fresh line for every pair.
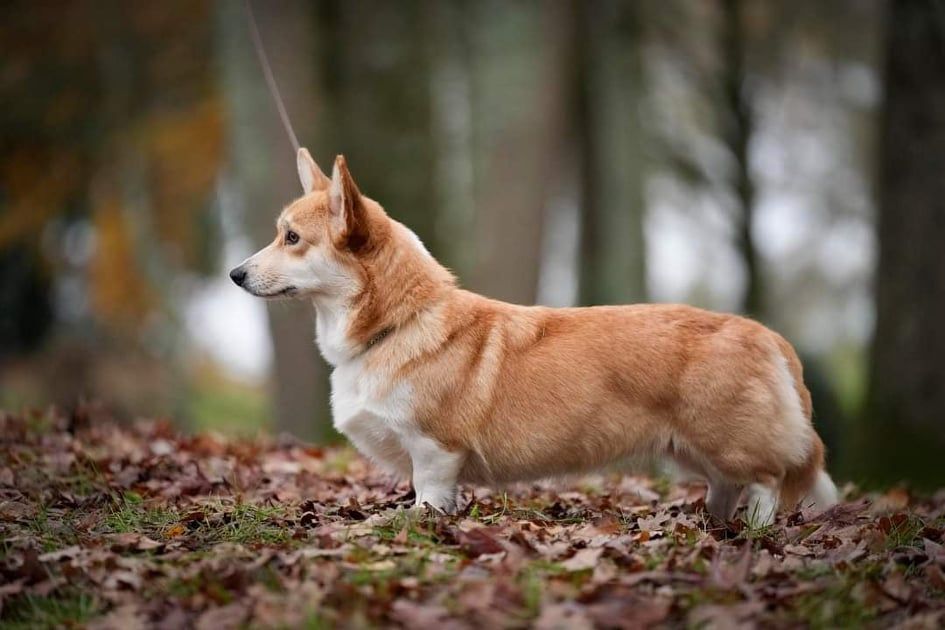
291,237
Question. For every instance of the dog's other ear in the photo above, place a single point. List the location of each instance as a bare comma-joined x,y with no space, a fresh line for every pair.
310,175
349,221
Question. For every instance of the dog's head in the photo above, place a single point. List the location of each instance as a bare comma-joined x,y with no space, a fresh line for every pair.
319,238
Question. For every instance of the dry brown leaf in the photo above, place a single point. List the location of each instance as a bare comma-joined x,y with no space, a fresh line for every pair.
175,531
125,617
479,541
223,618
132,541
582,560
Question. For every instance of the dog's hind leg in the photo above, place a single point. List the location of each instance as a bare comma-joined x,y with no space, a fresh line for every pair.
721,500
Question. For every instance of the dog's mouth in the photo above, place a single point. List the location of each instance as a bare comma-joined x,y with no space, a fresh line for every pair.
286,292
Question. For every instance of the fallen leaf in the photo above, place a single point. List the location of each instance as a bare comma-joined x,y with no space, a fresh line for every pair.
414,615
174,531
223,617
125,617
60,554
582,560
798,550
935,576
479,541
620,607
725,616
131,541
563,616
401,537
894,499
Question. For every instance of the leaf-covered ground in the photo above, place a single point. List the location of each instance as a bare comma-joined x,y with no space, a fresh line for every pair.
110,527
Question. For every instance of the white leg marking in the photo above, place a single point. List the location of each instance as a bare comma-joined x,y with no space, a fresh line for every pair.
762,505
722,499
435,470
823,495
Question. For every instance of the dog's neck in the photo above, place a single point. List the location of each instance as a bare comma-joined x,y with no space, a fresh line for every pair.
334,323
399,284
331,328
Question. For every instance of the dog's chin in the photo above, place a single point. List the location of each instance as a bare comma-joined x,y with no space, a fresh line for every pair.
280,294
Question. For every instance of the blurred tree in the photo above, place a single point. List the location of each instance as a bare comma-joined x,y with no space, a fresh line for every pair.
48,95
25,301
608,83
108,160
376,67
264,172
906,399
735,130
448,38
712,69
519,59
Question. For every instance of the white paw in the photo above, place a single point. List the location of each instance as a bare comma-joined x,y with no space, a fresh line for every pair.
762,506
438,503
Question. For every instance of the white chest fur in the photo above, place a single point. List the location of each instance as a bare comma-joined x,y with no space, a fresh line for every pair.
374,415
331,325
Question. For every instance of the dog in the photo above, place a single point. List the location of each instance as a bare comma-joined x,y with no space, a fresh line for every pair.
446,386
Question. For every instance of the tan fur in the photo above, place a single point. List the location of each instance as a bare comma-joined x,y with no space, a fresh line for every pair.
524,392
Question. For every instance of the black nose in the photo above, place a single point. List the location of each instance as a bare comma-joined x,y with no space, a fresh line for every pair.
238,275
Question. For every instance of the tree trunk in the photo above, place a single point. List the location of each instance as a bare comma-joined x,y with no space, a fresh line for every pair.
450,83
263,166
608,80
906,403
382,114
519,60
736,133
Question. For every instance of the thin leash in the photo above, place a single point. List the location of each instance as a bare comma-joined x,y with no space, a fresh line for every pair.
270,78
286,122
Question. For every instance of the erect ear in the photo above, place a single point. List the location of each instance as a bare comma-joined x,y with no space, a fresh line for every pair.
310,175
349,218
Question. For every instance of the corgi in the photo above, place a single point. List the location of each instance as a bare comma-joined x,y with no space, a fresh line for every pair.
446,386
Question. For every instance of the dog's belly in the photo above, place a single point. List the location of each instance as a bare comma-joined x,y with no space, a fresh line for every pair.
374,423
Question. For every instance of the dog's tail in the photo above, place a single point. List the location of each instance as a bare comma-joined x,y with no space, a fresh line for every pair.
823,494
807,482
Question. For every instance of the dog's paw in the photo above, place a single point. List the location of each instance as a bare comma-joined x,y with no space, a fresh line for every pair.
441,507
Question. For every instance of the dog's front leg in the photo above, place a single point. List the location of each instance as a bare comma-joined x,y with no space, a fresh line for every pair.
435,470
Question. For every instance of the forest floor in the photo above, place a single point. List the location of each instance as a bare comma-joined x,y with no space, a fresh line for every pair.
104,526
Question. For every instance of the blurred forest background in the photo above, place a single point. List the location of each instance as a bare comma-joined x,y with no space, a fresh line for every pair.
781,159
